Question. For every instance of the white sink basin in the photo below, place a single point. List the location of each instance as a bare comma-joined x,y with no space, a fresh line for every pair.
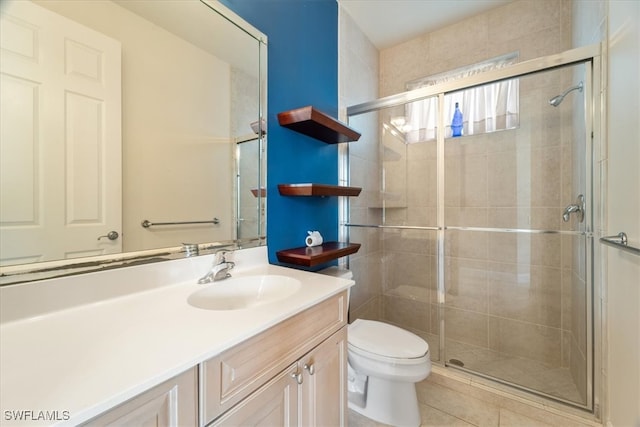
238,293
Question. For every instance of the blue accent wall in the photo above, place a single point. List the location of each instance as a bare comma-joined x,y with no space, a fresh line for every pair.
302,70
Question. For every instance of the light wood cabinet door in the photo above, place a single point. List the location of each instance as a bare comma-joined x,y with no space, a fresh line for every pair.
323,388
172,403
235,374
274,404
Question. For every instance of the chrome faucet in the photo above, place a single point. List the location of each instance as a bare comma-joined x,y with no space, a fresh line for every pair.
219,269
568,211
578,208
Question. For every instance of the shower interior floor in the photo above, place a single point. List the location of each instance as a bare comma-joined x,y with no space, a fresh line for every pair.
554,381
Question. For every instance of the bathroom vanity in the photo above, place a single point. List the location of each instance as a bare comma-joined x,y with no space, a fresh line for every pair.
140,352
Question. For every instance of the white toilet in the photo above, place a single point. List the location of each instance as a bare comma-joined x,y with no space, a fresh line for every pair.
385,362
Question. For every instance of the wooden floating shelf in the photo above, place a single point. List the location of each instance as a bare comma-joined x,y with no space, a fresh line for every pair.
317,190
310,257
261,191
318,125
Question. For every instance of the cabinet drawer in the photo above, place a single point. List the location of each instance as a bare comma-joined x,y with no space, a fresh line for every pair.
234,374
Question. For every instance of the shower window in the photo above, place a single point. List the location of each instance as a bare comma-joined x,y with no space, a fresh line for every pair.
487,108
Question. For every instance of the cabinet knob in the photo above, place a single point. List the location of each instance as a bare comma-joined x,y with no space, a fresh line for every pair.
311,368
297,376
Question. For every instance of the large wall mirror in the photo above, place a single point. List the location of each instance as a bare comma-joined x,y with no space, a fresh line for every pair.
128,128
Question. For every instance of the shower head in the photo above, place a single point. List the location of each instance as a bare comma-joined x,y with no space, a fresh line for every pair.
557,100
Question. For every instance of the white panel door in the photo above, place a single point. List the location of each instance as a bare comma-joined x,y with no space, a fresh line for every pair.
60,176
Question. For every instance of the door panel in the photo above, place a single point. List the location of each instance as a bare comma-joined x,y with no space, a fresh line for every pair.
61,108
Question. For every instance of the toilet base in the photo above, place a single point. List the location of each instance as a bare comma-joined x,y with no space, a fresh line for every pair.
390,402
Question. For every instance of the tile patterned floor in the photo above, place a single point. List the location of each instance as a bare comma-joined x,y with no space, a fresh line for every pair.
462,405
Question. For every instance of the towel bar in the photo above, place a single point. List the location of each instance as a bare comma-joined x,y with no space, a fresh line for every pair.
146,223
620,241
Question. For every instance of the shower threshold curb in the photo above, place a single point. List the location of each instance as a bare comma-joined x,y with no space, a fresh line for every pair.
442,376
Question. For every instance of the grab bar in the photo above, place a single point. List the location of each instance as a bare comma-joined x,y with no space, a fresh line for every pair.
146,223
620,241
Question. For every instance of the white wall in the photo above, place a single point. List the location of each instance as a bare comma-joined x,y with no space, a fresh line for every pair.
177,155
623,213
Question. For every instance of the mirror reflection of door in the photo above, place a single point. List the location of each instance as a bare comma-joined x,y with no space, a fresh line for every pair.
191,83
61,138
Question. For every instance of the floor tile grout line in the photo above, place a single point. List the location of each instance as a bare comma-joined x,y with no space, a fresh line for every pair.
449,414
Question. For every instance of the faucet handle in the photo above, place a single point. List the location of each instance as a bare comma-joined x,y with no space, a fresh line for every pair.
219,256
578,208
222,255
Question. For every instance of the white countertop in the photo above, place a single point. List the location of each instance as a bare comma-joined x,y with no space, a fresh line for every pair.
94,355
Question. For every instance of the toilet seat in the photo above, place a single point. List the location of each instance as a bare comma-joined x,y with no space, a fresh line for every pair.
388,342
386,362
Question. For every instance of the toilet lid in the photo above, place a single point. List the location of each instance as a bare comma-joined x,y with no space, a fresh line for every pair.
386,340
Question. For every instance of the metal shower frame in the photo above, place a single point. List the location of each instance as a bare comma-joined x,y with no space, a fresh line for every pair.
590,56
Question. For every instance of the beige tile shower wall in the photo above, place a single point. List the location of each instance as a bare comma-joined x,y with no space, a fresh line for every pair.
409,278
358,82
367,263
532,28
505,291
409,199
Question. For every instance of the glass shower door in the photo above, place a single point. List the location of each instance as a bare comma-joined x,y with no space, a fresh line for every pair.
517,299
395,220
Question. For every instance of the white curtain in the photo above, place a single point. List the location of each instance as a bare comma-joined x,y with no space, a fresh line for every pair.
486,108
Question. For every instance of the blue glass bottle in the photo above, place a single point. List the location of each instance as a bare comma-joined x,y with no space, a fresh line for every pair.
456,123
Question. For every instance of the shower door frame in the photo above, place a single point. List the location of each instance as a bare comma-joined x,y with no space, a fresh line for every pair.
590,56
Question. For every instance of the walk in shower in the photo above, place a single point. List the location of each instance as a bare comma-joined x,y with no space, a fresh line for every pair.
482,243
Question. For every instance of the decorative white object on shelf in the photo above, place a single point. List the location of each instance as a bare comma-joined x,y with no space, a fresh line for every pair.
313,239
